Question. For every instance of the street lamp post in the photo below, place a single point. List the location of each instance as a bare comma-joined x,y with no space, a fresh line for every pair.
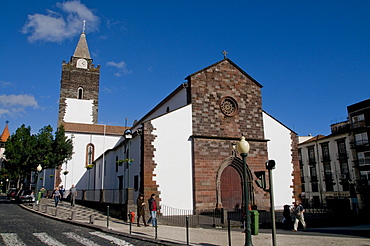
270,165
38,169
128,137
243,148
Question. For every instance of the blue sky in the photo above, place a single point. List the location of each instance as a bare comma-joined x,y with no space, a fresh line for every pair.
312,57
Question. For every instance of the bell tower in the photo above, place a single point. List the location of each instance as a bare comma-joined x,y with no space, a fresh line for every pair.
79,87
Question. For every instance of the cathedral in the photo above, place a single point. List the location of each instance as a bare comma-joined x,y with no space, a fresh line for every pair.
184,149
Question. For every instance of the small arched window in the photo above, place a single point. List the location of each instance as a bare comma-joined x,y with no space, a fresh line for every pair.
80,93
89,154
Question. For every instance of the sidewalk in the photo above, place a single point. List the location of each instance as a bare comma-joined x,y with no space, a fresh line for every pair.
172,235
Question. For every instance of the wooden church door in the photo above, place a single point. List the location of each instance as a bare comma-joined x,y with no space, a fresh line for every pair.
231,189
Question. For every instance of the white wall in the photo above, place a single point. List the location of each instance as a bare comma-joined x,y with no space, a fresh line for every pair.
173,157
177,101
279,149
79,111
76,166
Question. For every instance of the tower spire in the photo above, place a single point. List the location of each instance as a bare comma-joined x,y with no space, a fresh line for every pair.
82,50
5,135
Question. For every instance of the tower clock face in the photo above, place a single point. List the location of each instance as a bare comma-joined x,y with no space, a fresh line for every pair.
81,63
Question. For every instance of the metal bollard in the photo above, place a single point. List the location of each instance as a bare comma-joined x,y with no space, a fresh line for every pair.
57,212
187,230
73,215
48,210
130,221
108,216
92,219
228,230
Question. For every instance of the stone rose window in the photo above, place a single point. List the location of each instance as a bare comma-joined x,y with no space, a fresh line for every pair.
229,106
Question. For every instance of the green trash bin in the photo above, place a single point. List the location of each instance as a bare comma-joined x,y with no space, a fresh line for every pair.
254,221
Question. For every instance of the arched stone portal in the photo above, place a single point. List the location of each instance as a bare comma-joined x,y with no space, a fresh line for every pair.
230,184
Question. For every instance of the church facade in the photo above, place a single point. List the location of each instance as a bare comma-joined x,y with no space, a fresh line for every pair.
183,150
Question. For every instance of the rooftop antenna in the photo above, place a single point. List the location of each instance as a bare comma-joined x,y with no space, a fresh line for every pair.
84,26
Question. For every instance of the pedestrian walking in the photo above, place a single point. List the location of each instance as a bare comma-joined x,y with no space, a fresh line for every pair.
297,212
61,191
73,194
153,210
287,220
141,210
40,194
56,196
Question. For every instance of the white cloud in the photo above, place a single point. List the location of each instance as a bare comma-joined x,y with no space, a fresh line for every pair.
57,26
4,111
121,66
15,104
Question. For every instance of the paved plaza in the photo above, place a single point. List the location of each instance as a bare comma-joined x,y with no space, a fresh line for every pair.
173,235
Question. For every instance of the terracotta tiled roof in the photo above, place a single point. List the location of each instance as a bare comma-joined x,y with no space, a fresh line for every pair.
5,135
94,128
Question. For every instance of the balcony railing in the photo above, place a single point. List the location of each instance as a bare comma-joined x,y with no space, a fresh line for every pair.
342,156
311,161
359,143
314,179
325,158
363,162
362,182
358,124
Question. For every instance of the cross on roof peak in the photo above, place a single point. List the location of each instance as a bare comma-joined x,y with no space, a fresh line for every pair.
225,53
84,26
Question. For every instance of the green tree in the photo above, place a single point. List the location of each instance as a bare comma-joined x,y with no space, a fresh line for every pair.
62,148
24,152
20,152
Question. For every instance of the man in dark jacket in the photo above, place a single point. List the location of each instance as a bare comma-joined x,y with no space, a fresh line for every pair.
153,210
141,210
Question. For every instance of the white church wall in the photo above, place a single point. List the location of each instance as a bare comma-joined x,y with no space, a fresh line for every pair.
279,149
177,101
174,158
112,172
76,166
79,111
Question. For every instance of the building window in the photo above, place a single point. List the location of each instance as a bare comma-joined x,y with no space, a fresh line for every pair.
313,174
344,167
361,139
116,164
342,151
311,155
89,154
229,106
358,121
363,158
80,93
325,152
315,187
136,182
365,175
